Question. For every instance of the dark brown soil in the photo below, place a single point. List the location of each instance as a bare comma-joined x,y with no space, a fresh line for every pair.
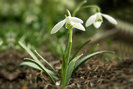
94,74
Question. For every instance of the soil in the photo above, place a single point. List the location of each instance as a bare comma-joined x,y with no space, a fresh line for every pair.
96,73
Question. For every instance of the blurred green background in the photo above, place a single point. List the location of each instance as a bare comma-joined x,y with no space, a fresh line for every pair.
32,20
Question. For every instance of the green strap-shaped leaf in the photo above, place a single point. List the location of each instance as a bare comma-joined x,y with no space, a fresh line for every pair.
75,54
30,64
93,48
44,69
36,61
39,63
71,68
88,57
45,61
34,56
28,50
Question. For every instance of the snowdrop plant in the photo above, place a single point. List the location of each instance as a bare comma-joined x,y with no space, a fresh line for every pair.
70,62
71,22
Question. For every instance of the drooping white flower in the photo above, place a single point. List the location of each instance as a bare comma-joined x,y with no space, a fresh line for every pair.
97,19
74,21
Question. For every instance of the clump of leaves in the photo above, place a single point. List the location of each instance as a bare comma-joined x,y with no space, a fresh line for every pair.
70,62
73,65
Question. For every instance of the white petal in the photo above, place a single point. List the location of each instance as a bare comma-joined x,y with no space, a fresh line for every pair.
97,24
110,19
79,26
77,20
58,26
91,20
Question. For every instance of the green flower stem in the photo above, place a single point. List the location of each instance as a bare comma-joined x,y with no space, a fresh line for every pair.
70,35
69,47
84,7
78,7
67,58
91,6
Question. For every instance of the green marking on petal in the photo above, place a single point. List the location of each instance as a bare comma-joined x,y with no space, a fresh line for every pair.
68,26
99,20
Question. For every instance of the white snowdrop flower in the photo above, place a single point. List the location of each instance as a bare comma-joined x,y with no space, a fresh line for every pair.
97,19
74,21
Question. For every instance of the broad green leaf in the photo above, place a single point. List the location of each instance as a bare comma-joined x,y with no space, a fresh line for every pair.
45,61
75,54
88,57
71,68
